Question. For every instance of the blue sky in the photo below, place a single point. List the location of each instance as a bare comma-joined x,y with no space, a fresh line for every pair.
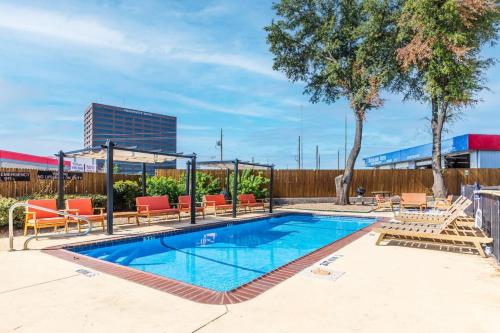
205,62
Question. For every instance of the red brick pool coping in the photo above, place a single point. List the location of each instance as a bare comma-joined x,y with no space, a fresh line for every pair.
200,294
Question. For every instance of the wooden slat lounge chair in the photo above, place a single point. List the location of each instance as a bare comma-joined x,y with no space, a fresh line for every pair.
447,233
217,202
83,207
383,203
249,201
460,204
184,205
155,206
413,200
39,219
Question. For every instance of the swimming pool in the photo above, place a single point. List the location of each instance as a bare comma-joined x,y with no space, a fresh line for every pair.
225,257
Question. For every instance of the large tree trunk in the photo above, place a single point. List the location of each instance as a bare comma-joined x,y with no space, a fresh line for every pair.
343,182
437,123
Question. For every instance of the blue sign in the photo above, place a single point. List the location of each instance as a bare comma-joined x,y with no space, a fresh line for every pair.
449,146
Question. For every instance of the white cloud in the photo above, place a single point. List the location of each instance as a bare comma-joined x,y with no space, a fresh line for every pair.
90,31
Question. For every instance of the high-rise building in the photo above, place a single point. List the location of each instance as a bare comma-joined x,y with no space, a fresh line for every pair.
130,128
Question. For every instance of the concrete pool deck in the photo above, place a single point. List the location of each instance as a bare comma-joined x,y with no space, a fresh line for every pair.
380,289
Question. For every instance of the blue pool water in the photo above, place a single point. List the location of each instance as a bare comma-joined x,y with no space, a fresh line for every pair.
227,257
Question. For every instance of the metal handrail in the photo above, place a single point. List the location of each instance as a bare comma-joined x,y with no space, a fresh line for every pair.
65,214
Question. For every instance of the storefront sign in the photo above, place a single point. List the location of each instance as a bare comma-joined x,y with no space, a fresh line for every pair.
14,176
53,175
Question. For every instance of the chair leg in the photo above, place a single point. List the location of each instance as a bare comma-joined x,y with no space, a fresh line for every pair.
36,232
379,239
25,229
480,249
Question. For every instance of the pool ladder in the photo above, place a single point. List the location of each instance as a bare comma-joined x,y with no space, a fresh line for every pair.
50,235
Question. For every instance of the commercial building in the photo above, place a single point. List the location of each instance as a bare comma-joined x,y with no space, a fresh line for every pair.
10,159
130,128
464,151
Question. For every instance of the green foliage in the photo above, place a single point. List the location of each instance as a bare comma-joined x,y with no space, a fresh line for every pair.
164,186
5,204
124,194
205,184
439,50
337,47
249,182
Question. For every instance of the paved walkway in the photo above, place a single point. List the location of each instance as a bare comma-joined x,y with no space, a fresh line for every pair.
379,289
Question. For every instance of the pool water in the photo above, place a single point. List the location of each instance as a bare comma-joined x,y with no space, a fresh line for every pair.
224,258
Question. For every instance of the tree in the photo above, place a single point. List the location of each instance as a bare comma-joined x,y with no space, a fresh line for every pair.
439,54
338,48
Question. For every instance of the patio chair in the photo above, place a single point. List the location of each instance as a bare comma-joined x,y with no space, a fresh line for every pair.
414,200
40,219
155,206
443,204
383,203
249,201
184,205
217,202
447,234
83,207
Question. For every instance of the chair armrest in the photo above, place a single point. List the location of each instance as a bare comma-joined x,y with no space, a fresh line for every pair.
73,211
100,209
138,210
30,213
209,203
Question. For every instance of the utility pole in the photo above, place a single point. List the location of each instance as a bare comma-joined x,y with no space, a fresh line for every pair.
317,158
298,154
220,144
319,162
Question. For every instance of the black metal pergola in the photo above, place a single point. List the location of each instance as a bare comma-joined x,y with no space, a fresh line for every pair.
110,152
237,165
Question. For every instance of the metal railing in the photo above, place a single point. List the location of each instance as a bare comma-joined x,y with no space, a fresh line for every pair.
50,235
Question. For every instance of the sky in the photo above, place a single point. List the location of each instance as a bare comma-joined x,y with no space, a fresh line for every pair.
205,62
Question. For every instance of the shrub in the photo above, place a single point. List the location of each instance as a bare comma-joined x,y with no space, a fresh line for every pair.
124,194
5,204
205,184
164,186
248,182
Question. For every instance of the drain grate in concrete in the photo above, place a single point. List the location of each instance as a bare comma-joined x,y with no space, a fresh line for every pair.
322,273
86,273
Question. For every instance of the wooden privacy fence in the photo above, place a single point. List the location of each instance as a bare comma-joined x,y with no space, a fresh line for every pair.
287,183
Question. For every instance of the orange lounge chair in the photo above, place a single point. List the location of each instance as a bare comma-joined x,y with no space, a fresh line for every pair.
217,202
39,219
155,206
249,201
83,207
185,205
383,203
443,204
415,200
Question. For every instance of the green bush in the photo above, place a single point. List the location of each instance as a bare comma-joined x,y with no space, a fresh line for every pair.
124,194
5,204
205,184
164,186
249,182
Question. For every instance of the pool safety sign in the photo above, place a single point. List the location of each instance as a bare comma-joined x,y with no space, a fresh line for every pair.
52,175
14,176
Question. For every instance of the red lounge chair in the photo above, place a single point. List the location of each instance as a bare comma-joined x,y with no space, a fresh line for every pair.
83,207
217,202
39,219
155,206
185,205
249,201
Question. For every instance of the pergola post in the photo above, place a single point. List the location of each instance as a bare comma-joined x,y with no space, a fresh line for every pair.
109,186
188,171
235,187
193,189
271,181
228,178
60,181
143,178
